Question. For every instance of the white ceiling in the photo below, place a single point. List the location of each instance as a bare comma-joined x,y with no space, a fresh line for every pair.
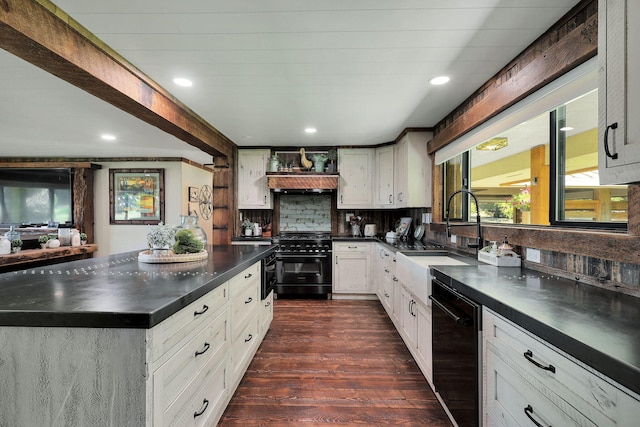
263,70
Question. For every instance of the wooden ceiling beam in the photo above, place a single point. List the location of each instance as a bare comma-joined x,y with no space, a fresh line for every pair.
569,43
45,36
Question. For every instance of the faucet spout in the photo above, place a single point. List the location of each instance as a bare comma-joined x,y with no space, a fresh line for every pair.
463,190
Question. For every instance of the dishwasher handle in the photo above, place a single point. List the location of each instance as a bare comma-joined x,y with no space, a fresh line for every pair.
464,321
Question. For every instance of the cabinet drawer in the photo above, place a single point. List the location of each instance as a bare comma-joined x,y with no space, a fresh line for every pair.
266,313
579,387
202,402
181,326
243,347
244,306
174,375
352,247
508,395
250,275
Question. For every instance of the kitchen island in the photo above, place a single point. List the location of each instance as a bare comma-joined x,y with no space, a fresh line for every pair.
111,341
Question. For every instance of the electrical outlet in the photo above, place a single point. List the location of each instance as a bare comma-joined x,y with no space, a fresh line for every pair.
347,217
533,255
454,238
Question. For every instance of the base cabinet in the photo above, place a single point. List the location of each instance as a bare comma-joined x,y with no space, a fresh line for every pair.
352,268
416,331
528,381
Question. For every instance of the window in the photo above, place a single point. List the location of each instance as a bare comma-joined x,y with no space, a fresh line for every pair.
543,171
35,196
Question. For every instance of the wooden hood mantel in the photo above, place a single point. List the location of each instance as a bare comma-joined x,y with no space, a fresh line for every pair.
297,181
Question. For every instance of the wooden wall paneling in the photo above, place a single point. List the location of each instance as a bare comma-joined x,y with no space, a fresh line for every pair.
223,201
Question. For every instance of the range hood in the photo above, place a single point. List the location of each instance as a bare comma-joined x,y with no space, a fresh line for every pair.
302,183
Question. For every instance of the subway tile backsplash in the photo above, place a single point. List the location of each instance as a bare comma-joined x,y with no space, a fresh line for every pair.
305,212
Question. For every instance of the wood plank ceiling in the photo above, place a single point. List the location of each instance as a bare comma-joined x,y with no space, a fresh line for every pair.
263,71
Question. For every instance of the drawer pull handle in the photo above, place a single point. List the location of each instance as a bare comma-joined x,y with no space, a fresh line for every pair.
268,304
248,339
205,405
529,413
248,300
205,307
204,349
529,356
248,275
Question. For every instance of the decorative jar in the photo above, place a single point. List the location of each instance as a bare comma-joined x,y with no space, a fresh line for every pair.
190,222
5,246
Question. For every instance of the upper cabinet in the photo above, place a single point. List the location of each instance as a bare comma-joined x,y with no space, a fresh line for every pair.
413,171
356,178
619,91
253,190
384,196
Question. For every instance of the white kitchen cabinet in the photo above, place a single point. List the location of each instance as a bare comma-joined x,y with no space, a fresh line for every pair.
619,91
352,268
355,189
416,331
384,188
384,266
266,314
253,189
244,294
526,378
413,171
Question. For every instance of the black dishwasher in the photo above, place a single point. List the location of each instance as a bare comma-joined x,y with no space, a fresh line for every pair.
456,351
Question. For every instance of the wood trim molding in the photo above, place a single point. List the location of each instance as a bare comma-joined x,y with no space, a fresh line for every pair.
45,36
569,43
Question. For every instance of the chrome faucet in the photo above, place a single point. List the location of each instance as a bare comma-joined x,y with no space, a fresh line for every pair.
479,236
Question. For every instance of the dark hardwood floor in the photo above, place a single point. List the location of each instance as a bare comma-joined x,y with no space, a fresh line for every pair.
333,362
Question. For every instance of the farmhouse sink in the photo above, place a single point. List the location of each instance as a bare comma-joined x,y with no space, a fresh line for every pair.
413,270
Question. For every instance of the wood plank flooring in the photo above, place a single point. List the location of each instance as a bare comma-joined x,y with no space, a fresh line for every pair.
338,362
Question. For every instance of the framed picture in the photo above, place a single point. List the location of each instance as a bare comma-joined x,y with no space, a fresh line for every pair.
136,196
193,194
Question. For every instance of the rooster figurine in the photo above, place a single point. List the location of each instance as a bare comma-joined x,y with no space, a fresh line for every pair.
304,162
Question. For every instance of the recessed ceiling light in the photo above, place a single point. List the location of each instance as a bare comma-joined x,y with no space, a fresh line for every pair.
440,80
310,130
108,137
180,81
566,129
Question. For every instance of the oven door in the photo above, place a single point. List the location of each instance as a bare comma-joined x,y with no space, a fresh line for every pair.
456,329
303,273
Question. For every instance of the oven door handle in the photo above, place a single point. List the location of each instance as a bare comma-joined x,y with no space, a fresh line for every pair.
464,321
302,255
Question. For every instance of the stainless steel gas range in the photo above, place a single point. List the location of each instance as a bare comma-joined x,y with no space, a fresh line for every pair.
303,265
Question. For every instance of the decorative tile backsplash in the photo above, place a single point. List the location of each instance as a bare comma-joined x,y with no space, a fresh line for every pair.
302,212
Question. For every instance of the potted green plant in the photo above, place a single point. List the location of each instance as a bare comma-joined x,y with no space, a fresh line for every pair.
83,238
43,241
16,245
161,238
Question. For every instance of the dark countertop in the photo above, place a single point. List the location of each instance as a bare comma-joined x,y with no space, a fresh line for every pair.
116,291
597,326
